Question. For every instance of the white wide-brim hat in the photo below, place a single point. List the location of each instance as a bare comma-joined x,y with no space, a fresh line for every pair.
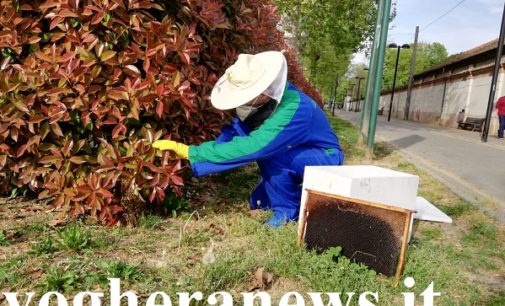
246,79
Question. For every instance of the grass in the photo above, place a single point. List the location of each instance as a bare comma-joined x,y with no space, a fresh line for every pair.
122,270
464,260
3,238
43,247
150,221
59,280
74,237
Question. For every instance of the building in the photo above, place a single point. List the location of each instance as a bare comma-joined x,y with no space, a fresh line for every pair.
461,82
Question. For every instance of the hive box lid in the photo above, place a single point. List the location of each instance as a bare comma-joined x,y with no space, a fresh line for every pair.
363,182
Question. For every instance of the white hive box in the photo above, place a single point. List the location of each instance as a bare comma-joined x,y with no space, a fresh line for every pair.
364,182
369,183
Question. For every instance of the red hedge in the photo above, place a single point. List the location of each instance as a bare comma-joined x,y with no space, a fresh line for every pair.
87,86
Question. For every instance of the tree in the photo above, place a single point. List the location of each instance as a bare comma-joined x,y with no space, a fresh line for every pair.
326,33
428,55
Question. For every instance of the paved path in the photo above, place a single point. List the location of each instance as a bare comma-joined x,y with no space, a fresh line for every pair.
473,169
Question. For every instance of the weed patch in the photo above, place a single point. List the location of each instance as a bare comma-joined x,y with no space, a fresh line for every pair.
484,229
57,279
119,269
150,221
3,238
74,237
431,233
457,210
44,247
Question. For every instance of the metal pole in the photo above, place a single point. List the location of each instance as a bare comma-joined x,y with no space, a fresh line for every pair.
492,92
368,90
357,96
334,96
394,83
335,102
358,93
352,90
411,76
386,8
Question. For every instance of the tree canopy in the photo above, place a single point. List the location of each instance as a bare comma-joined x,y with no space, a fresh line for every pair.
428,55
326,33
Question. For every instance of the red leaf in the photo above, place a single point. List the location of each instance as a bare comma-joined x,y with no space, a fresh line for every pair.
118,129
79,160
159,108
50,159
105,193
185,57
69,144
56,21
74,3
98,17
21,150
55,127
177,180
67,13
49,4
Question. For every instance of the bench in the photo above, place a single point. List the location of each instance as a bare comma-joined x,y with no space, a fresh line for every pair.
472,124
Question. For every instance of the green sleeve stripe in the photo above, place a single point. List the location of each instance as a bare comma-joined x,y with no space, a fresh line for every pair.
257,139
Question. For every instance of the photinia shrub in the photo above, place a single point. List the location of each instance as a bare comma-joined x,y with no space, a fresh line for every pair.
86,86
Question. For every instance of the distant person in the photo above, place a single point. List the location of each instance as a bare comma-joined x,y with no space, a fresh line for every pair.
461,116
500,107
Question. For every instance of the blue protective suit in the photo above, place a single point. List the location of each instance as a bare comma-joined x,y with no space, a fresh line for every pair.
296,135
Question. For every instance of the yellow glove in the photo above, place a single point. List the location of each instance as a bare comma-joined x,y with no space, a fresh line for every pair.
180,149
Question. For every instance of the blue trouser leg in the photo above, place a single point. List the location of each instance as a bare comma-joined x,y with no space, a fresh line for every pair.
282,188
259,197
282,176
501,120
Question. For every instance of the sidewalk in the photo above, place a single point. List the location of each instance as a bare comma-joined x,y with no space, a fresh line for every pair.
471,168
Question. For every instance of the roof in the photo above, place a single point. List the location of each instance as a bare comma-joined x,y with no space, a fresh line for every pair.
454,59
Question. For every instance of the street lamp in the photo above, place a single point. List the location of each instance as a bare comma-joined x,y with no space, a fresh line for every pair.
398,47
358,93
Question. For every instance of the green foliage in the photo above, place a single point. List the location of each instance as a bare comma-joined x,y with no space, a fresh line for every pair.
173,204
120,269
3,238
44,247
427,55
431,233
458,209
197,236
57,279
10,271
497,300
326,33
218,276
36,227
74,237
487,230
150,221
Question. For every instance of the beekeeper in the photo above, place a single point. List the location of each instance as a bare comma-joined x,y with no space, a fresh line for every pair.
276,125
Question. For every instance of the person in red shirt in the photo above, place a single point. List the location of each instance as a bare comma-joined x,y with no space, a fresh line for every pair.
500,107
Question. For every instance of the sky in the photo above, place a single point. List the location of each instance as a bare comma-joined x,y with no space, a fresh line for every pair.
469,25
